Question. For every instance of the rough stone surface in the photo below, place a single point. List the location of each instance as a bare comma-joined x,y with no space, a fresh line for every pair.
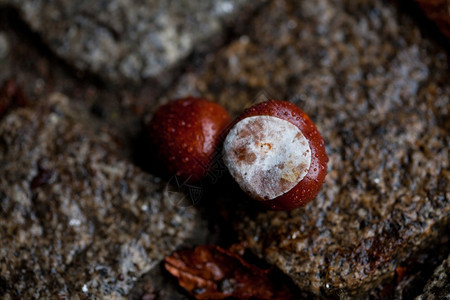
4,47
157,285
75,220
379,93
366,75
123,39
438,287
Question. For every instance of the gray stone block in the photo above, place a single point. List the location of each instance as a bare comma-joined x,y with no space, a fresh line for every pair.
76,221
128,40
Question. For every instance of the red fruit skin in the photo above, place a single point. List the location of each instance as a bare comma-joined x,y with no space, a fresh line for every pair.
184,136
308,188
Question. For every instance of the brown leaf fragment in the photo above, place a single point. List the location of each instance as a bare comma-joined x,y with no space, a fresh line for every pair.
400,273
238,248
211,272
439,12
11,95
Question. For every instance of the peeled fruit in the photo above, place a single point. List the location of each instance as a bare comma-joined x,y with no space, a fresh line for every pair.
276,155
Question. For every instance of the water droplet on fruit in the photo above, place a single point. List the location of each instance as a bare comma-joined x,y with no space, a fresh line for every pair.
190,149
185,159
171,129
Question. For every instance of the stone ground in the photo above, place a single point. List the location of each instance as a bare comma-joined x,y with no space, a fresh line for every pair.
341,62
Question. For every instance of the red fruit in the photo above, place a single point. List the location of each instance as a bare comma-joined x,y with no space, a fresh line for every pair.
276,155
184,136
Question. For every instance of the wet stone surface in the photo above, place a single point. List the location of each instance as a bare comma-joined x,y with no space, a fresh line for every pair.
129,40
77,221
379,93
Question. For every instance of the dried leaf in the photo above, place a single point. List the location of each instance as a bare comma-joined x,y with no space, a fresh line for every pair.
400,272
11,96
210,272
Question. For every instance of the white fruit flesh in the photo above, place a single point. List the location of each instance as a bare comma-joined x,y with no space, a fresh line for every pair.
267,156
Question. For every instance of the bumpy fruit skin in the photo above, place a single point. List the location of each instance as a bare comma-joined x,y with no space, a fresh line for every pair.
184,136
308,188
